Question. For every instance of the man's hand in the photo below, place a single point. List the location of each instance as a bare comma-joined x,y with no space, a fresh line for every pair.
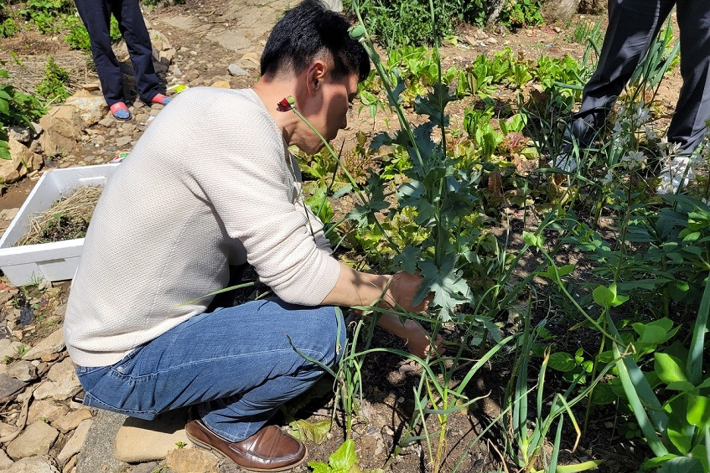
401,291
417,340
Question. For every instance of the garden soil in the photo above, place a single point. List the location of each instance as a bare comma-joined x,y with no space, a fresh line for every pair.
208,37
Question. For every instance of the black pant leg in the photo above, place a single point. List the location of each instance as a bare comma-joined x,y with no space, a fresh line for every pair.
96,15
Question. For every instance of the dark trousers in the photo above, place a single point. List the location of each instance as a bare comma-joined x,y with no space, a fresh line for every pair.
96,15
633,24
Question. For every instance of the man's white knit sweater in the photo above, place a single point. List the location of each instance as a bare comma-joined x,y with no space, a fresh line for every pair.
209,184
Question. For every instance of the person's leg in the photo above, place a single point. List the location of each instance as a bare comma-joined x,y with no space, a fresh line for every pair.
132,26
632,26
96,16
693,108
238,363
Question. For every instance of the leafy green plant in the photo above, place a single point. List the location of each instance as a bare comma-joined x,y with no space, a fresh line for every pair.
78,37
390,21
343,460
54,82
16,108
45,14
520,13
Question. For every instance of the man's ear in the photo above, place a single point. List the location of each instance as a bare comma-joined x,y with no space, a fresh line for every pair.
315,76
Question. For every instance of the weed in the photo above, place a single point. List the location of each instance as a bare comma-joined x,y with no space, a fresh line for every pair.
54,83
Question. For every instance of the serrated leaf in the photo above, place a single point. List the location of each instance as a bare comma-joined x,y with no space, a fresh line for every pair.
408,259
434,104
447,284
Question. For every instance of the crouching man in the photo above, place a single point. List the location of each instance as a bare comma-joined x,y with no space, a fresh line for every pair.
211,184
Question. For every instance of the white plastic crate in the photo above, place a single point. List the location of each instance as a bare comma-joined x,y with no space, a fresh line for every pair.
55,261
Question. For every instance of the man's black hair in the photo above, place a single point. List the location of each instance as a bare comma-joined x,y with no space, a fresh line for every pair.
306,31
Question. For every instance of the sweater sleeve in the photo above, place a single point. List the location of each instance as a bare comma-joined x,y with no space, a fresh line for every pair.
248,180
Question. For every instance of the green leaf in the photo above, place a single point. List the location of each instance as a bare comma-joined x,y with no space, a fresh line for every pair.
447,284
682,465
562,361
344,457
408,259
669,368
316,432
698,411
320,467
533,240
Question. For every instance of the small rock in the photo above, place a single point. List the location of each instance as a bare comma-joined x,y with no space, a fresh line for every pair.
54,343
123,141
91,107
235,70
72,420
73,446
192,460
20,133
63,126
36,439
192,75
107,122
142,117
138,440
72,464
176,71
46,410
492,40
222,84
61,309
62,382
6,429
32,465
10,386
149,467
22,370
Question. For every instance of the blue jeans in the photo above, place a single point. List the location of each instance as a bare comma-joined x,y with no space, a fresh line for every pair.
238,364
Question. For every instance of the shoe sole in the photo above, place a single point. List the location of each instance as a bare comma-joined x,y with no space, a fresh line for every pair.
218,452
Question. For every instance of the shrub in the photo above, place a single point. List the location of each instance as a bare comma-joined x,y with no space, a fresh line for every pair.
391,21
16,108
52,88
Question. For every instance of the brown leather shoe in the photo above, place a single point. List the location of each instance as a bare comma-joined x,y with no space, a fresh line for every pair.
270,449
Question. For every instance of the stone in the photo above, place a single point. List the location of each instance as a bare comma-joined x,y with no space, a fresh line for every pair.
46,410
62,382
97,452
149,467
139,440
70,466
235,70
20,133
72,420
5,461
107,122
9,349
22,161
91,108
9,386
32,465
22,370
6,429
192,460
222,84
62,129
123,141
142,117
73,446
54,343
36,439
